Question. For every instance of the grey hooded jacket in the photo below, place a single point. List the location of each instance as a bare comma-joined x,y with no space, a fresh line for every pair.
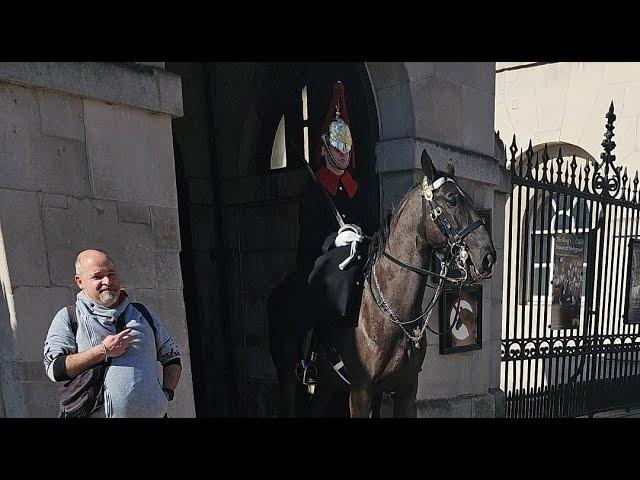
131,386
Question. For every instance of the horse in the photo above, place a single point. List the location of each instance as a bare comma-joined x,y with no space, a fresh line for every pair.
435,221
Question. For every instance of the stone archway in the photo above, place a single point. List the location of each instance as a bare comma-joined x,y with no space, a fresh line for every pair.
239,219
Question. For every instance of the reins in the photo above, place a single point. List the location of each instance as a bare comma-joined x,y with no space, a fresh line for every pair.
458,253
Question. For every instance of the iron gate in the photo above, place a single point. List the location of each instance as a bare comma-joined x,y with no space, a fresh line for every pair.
567,348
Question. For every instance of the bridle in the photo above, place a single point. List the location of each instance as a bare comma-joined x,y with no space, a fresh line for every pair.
454,251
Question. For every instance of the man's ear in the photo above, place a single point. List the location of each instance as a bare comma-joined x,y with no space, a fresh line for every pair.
428,168
78,281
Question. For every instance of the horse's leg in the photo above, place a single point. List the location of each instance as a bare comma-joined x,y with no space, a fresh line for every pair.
360,400
404,401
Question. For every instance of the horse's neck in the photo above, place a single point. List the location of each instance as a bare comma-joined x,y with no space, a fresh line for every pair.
395,281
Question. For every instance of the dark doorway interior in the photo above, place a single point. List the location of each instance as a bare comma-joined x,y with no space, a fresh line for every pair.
238,215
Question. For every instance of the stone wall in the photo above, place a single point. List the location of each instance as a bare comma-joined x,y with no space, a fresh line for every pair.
566,103
447,108
87,161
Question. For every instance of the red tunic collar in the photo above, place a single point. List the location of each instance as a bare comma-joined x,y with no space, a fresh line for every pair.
330,181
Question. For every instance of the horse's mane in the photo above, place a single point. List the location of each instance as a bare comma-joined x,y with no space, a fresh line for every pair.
381,237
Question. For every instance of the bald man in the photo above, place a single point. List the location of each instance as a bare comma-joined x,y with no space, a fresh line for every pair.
131,386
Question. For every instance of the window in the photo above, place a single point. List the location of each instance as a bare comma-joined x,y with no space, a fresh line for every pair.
280,141
556,213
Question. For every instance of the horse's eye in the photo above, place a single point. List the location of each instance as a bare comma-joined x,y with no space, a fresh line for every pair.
453,200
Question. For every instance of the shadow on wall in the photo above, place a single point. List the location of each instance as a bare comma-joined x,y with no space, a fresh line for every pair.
5,321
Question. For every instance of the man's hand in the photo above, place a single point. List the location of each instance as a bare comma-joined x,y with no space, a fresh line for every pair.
117,344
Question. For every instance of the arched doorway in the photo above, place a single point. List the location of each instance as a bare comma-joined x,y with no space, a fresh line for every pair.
238,209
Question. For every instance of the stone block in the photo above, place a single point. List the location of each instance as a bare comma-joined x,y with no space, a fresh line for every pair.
500,402
183,405
133,213
620,72
437,107
93,224
240,190
168,305
262,271
290,184
586,80
497,277
631,105
122,83
395,111
25,371
462,406
470,166
395,155
227,151
31,160
387,74
168,269
22,239
131,154
495,347
420,70
54,201
519,98
61,115
193,149
504,126
479,75
12,396
592,134
459,407
483,406
35,308
394,186
478,120
203,227
495,329
40,398
445,376
230,227
255,317
551,84
498,220
166,229
153,64
269,227
170,93
201,191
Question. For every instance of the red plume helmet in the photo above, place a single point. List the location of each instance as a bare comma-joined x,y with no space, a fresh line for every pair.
337,106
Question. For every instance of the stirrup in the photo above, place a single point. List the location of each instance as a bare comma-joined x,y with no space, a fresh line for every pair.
310,376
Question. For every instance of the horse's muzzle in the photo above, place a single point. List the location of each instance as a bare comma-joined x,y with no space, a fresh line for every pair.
488,262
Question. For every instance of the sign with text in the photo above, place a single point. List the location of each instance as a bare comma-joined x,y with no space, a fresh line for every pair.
568,280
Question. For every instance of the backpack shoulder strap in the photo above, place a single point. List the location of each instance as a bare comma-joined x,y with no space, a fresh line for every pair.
71,310
145,313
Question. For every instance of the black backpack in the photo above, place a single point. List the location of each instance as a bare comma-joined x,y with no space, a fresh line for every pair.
83,395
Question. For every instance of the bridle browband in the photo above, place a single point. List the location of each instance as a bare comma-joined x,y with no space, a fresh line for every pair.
457,251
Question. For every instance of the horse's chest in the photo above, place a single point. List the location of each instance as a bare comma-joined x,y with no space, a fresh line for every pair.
406,360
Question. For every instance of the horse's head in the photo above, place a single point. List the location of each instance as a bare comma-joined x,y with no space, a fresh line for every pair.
453,224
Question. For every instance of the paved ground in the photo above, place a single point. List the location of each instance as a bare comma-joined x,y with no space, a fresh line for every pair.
633,413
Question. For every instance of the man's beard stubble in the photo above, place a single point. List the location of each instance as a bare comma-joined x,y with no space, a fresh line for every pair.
108,297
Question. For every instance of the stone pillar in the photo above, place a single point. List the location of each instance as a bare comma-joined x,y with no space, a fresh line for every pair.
87,161
447,108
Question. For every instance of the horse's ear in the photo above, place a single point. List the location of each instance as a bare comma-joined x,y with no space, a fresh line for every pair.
428,169
451,170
